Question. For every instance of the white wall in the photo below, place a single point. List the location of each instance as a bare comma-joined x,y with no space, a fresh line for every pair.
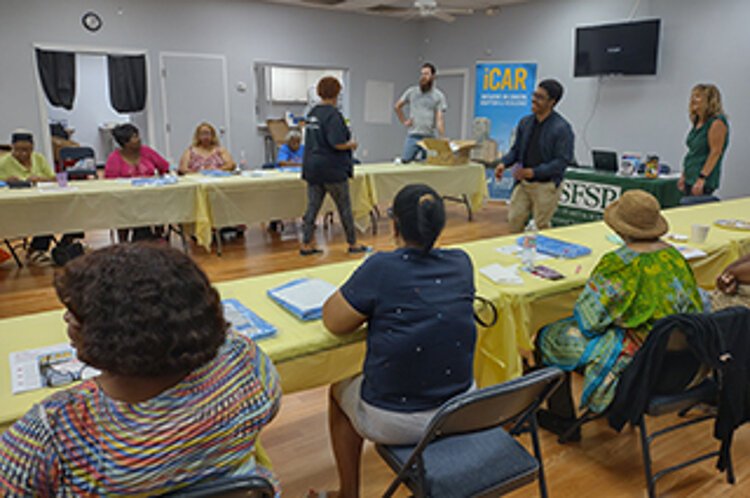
701,42
371,47
91,106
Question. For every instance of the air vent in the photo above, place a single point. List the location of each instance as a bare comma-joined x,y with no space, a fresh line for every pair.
387,9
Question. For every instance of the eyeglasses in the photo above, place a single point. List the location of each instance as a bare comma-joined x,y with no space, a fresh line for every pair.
539,96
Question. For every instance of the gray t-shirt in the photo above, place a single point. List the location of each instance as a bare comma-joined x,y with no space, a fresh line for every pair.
422,107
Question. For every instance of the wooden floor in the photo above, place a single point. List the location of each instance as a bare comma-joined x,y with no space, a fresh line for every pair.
604,464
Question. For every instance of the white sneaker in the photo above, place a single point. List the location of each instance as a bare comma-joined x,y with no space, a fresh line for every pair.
38,258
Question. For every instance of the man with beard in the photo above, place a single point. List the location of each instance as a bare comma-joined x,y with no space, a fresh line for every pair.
427,106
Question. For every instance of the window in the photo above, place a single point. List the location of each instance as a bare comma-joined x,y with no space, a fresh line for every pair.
291,84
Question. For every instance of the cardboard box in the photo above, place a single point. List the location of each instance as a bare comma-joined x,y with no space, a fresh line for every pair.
443,152
484,152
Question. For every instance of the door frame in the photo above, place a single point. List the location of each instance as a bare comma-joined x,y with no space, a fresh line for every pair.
227,136
464,73
86,50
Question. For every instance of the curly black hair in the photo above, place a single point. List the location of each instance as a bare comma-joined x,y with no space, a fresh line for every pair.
144,310
123,133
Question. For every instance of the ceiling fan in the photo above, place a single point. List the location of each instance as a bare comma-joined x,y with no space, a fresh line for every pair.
430,9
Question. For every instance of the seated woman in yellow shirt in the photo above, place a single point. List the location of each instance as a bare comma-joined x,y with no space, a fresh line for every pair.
23,164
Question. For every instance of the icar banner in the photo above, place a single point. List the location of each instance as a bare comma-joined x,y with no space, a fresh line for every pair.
502,98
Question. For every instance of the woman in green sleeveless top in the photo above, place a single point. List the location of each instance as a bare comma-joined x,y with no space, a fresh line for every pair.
706,142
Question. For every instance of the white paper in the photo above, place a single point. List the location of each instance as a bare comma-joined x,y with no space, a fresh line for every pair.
509,250
307,295
500,274
24,367
53,188
516,250
379,102
261,173
690,253
677,237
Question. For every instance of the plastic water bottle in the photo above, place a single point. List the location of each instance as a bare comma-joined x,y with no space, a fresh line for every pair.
243,161
528,253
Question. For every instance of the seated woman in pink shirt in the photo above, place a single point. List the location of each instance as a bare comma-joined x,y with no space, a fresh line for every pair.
134,160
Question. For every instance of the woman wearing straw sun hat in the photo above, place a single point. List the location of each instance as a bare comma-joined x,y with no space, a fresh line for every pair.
629,289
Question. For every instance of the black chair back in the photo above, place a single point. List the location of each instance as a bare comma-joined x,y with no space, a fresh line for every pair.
69,157
227,487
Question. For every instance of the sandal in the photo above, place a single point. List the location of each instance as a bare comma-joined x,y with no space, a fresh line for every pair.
310,252
38,258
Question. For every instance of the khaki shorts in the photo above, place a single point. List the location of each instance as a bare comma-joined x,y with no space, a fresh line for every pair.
376,424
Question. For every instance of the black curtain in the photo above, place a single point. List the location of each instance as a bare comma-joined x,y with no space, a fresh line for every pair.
127,82
57,71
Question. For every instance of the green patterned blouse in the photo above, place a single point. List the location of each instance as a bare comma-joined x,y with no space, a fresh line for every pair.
626,293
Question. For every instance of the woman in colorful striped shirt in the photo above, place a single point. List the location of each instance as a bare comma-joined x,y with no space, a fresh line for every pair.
180,399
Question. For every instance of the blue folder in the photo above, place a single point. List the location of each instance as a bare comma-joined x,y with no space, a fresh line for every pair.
250,324
558,248
306,315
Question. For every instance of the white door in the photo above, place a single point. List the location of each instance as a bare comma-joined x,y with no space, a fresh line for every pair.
194,89
452,85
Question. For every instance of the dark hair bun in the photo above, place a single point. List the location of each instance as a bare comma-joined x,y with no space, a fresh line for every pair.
420,214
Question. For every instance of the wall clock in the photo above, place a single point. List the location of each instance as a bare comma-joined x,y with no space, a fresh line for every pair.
91,21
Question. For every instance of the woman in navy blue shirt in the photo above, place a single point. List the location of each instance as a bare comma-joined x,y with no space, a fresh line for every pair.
418,305
327,166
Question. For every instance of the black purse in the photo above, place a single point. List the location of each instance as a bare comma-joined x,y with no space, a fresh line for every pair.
485,312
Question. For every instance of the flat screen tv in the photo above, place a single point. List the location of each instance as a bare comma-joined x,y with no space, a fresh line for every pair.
625,48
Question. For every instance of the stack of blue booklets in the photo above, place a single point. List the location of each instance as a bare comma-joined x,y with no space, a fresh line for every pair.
244,321
558,248
303,297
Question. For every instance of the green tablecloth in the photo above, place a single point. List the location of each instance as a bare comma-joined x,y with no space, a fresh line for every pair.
586,192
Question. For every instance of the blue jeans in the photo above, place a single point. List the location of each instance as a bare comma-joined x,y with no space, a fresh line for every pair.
412,151
689,199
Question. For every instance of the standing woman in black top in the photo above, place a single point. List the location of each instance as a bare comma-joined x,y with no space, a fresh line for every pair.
327,165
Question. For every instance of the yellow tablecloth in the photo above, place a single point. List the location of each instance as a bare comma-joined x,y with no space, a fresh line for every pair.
216,201
386,179
307,355
268,194
94,204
